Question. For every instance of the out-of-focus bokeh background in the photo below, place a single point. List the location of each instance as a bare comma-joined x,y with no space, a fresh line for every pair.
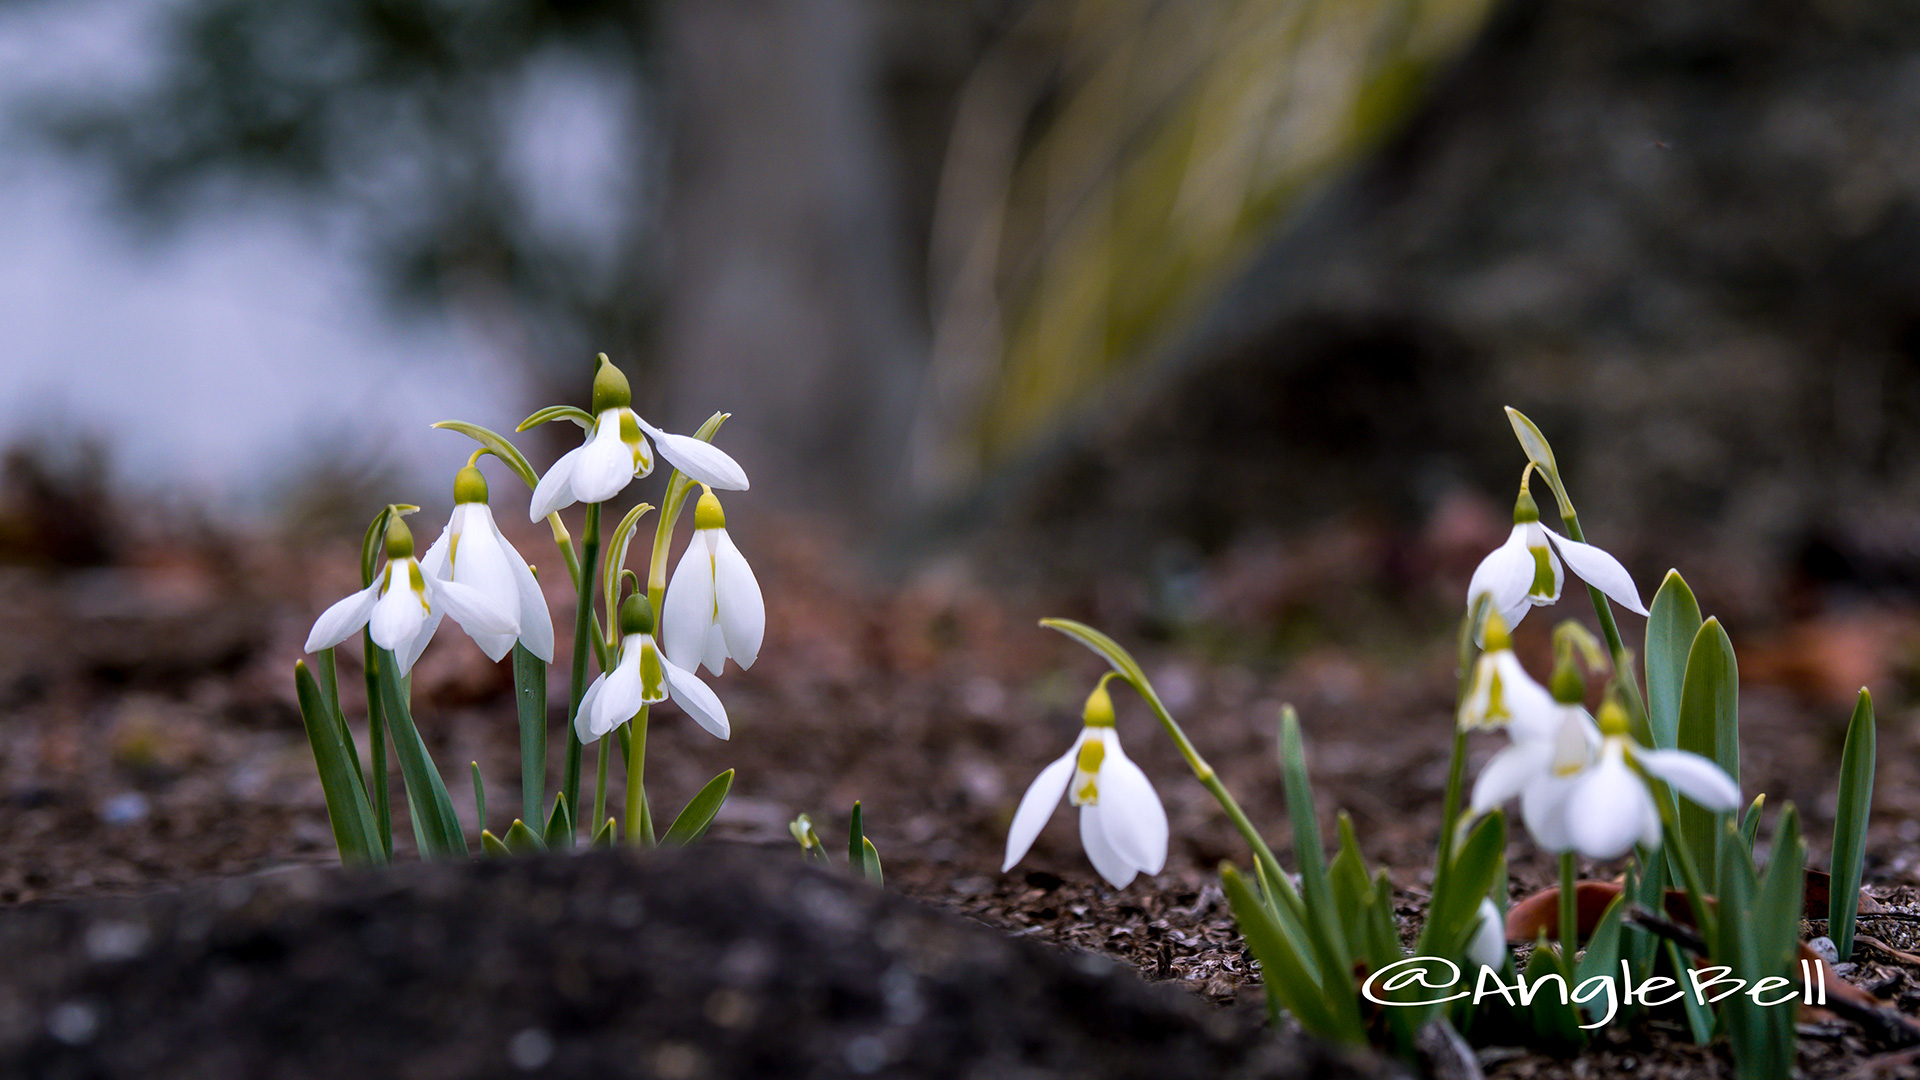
1190,318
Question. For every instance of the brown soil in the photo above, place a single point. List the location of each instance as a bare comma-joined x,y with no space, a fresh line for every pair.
152,740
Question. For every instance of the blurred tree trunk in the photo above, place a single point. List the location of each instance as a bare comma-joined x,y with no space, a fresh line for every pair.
787,304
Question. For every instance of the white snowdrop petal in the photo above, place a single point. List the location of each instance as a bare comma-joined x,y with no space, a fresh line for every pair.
340,620
714,656
555,489
700,460
399,613
1605,812
1111,865
605,465
475,611
1600,570
1506,776
483,561
1488,948
1505,574
536,622
1514,614
408,654
1131,816
1530,707
1650,832
743,613
1698,778
1543,806
697,700
1036,806
624,693
687,612
433,564
583,719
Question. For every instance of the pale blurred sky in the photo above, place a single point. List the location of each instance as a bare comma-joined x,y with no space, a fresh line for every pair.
212,358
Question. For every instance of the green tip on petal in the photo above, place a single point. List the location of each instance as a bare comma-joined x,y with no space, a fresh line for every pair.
707,513
399,539
1525,510
1498,636
1568,685
469,486
1613,717
1099,710
636,615
610,387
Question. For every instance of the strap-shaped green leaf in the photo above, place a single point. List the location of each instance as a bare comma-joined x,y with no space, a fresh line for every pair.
1850,824
1603,945
1324,923
559,834
492,846
557,412
1750,821
520,839
1672,623
856,832
1709,726
439,827
1289,983
604,837
1554,1016
347,810
698,813
1454,911
329,679
1741,944
870,861
498,444
530,699
479,798
1347,878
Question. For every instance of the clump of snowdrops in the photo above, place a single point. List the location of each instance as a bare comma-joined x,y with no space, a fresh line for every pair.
1648,789
648,640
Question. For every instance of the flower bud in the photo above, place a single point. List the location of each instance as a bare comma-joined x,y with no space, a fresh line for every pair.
469,486
636,615
610,387
1568,685
399,539
1099,710
1525,510
1498,637
707,513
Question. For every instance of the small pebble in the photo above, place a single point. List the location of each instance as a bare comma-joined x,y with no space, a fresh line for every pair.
1825,949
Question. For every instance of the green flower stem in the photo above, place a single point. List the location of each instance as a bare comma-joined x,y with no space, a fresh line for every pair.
1450,813
377,736
1210,780
1609,629
602,752
639,818
583,576
1569,910
1689,870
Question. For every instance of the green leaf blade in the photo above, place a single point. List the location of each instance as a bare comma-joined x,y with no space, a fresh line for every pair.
1709,726
354,833
699,812
432,809
1672,623
1850,824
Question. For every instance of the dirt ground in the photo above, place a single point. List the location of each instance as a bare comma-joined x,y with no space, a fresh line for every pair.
151,736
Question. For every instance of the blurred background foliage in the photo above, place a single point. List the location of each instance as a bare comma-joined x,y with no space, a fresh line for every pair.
1078,176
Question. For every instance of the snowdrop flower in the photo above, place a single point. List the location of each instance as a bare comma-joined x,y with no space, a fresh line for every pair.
402,608
1540,765
1488,947
471,552
1122,824
616,453
713,608
1501,693
642,677
1526,571
1605,808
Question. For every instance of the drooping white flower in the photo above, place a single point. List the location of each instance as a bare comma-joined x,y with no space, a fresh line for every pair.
1603,809
403,606
1526,571
471,551
1538,768
713,609
1501,693
616,452
1488,946
1123,827
643,676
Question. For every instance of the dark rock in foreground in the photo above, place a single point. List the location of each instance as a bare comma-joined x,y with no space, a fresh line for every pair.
719,962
